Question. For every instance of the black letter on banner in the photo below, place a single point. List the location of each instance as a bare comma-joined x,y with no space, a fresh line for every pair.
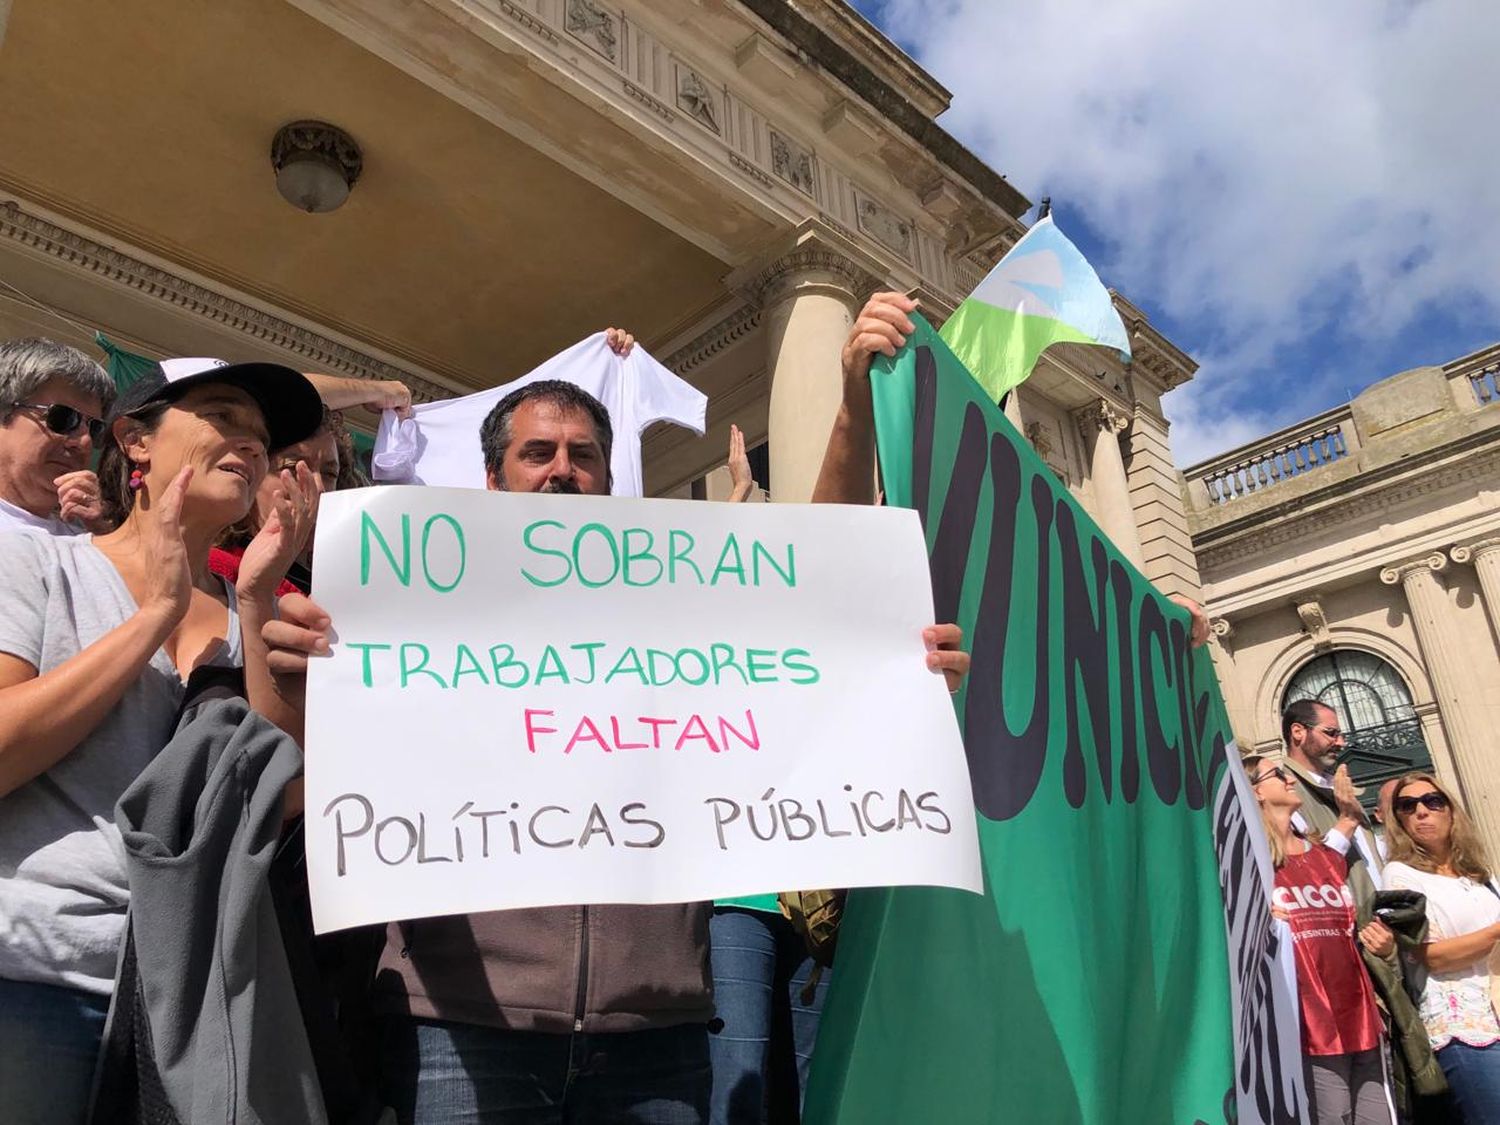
956,522
1164,761
1182,661
1085,645
1130,749
1006,769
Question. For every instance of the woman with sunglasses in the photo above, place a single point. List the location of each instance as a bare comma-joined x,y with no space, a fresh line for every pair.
98,635
52,400
1341,1024
1434,849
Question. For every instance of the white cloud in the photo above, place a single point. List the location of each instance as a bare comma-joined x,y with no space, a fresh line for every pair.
1268,172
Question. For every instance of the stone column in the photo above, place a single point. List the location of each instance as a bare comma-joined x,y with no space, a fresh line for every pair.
1101,425
1156,500
1485,555
810,298
1013,410
1241,710
1476,777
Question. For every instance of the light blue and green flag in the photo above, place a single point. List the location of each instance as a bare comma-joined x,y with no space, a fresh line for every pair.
1043,292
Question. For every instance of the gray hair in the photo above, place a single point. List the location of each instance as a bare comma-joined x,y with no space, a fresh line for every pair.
27,363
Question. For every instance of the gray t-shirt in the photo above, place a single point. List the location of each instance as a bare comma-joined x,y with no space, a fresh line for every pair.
62,866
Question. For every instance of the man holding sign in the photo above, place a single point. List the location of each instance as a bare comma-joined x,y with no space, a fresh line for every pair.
573,1013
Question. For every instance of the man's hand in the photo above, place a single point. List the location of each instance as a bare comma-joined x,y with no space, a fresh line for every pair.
1378,939
300,632
1200,629
944,655
881,326
1346,796
739,466
79,499
620,342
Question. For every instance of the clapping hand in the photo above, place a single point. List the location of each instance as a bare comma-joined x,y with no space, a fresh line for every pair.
284,534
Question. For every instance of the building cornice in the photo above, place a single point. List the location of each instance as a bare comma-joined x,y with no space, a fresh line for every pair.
1151,352
309,350
712,341
888,101
1475,457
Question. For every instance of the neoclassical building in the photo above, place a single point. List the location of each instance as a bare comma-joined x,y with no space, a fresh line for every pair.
727,178
1355,558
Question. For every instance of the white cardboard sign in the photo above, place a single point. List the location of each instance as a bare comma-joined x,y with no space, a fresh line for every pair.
543,700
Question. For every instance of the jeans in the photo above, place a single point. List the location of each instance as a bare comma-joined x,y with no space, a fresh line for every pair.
760,967
434,1072
49,1043
1473,1075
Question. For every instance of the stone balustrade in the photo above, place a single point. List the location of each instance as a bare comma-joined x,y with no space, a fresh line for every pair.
1486,384
1293,452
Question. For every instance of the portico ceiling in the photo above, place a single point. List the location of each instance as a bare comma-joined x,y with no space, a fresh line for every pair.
461,249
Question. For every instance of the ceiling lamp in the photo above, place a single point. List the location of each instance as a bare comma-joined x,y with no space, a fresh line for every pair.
316,165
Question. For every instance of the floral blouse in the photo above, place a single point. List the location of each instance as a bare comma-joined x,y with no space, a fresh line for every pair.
1455,1004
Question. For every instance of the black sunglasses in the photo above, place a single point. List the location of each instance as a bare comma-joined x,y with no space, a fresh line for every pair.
65,421
1405,806
1274,771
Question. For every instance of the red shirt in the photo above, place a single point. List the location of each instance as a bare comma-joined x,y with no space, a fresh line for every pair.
1339,1016
225,562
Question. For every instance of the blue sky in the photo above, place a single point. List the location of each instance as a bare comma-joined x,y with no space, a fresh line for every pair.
1306,197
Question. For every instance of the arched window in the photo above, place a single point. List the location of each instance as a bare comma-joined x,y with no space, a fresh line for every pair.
1382,732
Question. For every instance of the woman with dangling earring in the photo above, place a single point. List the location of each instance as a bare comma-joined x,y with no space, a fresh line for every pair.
98,635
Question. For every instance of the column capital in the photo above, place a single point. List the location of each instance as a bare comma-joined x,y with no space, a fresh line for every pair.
1475,549
1101,416
1434,563
813,257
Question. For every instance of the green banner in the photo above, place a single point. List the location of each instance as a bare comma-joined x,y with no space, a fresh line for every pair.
1091,982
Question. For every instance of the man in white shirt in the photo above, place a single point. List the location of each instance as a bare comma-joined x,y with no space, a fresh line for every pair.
52,403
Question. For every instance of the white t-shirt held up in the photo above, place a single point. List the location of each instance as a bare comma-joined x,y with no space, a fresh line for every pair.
439,443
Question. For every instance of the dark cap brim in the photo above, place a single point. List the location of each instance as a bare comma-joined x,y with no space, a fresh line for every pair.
289,402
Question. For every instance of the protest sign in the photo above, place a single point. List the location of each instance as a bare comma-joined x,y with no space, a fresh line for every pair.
540,700
1122,964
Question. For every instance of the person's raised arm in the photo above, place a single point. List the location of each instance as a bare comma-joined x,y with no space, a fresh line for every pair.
848,473
340,392
44,717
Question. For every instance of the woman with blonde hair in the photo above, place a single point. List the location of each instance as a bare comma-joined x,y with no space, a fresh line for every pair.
1434,849
1341,1024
